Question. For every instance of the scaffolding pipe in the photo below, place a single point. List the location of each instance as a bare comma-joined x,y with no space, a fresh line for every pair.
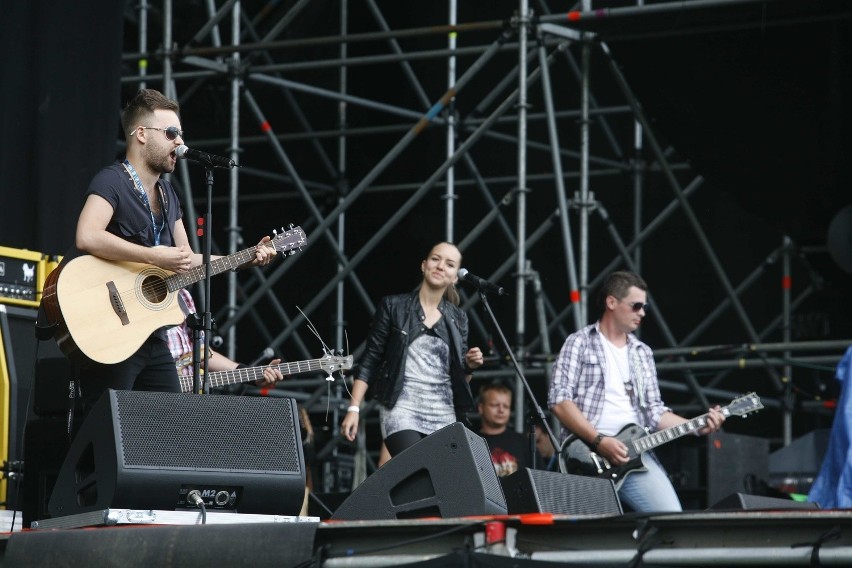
523,23
787,378
562,200
450,193
235,238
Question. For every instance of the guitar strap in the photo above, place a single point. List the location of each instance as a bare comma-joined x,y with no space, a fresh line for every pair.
636,368
143,195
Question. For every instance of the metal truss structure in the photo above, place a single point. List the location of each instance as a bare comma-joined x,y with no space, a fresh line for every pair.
518,135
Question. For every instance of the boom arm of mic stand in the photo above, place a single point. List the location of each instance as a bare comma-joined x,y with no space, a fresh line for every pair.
536,413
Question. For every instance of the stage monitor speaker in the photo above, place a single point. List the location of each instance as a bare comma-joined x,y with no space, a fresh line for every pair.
535,491
746,502
446,474
150,450
45,446
19,353
731,459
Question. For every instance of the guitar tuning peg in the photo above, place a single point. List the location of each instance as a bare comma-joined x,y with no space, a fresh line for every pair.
274,231
290,225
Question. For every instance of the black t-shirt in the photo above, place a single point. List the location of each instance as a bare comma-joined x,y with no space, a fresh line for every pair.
131,218
509,451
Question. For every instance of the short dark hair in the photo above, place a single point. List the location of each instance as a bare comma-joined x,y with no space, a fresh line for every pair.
142,105
618,285
496,386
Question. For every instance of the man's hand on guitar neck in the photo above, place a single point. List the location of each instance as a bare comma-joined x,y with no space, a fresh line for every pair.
264,254
715,418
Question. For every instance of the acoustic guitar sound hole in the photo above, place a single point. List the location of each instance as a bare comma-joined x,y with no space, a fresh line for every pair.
154,289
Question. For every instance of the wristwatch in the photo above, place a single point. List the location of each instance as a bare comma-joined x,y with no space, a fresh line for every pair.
596,442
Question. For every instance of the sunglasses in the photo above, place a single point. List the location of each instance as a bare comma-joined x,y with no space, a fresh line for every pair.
171,132
637,306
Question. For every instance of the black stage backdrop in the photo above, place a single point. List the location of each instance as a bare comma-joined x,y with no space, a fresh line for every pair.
60,102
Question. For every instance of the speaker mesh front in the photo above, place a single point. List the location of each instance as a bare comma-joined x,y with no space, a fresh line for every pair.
207,432
482,458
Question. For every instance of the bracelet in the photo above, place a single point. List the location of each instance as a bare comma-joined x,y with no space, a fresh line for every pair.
354,408
596,442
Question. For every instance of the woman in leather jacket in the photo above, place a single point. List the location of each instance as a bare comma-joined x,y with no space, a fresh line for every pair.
416,360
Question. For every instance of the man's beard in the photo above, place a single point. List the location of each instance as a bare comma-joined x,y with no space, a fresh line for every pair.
158,162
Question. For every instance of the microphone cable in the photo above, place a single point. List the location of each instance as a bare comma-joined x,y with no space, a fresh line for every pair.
194,497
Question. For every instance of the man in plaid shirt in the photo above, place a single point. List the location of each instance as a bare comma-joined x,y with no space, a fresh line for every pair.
180,346
605,379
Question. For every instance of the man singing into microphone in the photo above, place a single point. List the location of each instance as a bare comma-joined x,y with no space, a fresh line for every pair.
131,214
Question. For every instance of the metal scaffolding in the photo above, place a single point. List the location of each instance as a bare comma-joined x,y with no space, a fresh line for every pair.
521,81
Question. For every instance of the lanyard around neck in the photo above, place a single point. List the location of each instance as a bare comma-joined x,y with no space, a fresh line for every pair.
143,195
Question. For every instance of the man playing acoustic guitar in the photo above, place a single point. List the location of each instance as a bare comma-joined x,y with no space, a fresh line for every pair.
131,214
605,379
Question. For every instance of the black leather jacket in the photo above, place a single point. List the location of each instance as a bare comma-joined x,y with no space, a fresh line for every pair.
397,320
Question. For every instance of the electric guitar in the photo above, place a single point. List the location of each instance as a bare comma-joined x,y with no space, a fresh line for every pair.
104,310
577,457
328,363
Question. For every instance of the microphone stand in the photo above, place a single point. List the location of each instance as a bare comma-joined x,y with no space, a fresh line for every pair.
535,415
204,323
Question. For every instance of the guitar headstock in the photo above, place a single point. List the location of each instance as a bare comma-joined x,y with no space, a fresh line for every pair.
744,405
288,240
331,363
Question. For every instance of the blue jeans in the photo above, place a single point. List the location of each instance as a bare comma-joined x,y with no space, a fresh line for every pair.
649,491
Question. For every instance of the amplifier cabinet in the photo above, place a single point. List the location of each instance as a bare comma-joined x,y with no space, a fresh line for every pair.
22,274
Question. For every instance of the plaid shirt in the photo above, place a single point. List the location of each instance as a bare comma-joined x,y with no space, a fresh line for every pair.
180,339
580,368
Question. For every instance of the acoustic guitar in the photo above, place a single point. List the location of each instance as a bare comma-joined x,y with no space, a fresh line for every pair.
105,310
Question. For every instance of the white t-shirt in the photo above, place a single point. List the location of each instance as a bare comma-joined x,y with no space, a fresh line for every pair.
618,410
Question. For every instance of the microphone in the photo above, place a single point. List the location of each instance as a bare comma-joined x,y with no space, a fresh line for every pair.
266,355
205,158
481,283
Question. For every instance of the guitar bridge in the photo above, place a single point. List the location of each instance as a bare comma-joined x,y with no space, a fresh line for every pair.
600,463
117,303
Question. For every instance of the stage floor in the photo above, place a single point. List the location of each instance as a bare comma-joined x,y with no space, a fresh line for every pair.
705,538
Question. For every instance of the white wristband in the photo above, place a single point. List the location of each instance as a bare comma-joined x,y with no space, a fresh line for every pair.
353,408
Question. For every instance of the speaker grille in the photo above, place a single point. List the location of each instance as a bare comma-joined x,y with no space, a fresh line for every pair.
533,491
482,458
446,474
206,432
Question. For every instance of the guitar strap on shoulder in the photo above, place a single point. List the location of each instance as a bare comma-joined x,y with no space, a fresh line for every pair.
636,366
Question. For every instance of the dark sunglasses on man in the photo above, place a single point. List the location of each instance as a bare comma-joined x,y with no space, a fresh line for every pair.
171,132
637,306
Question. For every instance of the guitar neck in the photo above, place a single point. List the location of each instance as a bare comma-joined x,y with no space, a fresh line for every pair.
217,266
237,376
659,438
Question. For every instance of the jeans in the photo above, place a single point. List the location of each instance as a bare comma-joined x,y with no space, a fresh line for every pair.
649,491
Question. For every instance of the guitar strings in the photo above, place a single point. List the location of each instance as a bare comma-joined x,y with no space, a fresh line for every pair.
160,287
